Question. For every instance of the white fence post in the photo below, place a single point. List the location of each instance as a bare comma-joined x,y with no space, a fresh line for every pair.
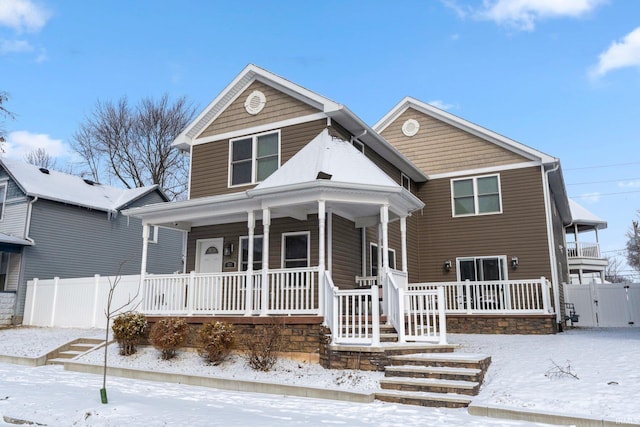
96,292
545,288
33,300
467,288
442,318
375,314
191,293
55,300
401,310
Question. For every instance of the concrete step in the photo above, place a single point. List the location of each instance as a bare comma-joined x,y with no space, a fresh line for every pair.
443,373
442,400
430,385
452,360
82,346
72,350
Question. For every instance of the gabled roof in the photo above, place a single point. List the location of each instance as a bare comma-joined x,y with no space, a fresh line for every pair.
467,126
332,109
65,188
330,158
581,216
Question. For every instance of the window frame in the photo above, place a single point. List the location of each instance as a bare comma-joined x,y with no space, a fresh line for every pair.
283,248
152,237
405,178
476,205
241,261
373,248
254,157
502,267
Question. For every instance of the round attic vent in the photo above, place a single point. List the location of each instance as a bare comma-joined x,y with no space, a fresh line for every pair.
255,102
410,127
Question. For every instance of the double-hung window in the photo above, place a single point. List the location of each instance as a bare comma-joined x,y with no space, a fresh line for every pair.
295,249
253,158
373,259
476,196
244,253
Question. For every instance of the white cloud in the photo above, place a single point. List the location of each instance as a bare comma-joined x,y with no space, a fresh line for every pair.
22,142
629,184
23,15
590,197
441,104
625,53
523,14
14,46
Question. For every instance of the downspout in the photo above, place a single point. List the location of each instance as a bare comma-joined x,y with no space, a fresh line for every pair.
551,240
27,225
27,229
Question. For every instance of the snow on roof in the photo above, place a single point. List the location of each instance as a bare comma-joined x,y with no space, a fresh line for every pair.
328,157
61,187
580,215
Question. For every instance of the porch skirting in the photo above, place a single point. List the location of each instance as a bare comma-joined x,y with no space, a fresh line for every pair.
525,324
302,334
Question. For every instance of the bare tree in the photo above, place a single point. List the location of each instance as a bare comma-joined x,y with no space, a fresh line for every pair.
133,145
4,113
613,271
40,157
633,246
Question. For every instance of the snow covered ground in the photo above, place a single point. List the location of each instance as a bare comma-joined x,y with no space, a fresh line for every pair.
522,375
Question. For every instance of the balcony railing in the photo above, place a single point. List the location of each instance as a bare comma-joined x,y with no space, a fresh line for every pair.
583,250
288,291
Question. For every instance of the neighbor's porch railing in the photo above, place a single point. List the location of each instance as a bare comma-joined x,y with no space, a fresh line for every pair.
289,291
583,250
503,297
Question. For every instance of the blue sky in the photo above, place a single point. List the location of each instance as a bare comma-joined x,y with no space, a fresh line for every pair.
562,76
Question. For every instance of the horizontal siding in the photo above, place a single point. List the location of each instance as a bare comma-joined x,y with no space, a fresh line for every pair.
347,252
279,106
439,147
14,218
232,233
519,231
210,163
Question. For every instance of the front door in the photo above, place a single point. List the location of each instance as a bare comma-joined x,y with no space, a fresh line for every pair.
209,255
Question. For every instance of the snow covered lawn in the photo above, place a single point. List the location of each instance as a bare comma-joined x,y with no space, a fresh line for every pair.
522,375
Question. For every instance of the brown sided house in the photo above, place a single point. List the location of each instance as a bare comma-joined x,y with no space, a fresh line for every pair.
301,211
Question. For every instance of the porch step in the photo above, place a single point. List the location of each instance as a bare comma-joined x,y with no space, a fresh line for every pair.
431,385
441,400
444,379
72,350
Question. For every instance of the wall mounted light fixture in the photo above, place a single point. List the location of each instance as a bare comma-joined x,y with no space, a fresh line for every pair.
514,262
447,265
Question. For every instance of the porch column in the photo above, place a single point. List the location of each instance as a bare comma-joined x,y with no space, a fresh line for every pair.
145,249
403,239
251,223
321,253
364,251
329,239
266,222
384,222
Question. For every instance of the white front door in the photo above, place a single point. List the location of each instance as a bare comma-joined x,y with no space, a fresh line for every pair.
209,255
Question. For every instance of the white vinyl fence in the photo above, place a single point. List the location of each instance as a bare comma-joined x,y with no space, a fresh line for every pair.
605,304
78,303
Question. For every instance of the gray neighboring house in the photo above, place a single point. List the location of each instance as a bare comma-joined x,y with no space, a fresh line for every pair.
54,224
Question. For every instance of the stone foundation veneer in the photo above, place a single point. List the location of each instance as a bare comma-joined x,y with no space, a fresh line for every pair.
7,304
539,324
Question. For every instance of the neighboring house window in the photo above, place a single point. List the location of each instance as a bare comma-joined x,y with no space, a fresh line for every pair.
252,159
405,181
152,237
3,198
244,253
477,269
476,196
4,263
295,249
373,266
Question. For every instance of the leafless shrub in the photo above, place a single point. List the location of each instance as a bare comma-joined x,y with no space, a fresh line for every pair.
265,344
556,371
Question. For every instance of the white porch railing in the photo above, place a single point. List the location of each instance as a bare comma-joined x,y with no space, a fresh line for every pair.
416,314
353,315
289,291
504,297
583,250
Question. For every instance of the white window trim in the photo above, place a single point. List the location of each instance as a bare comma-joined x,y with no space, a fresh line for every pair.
283,249
374,247
3,202
240,239
153,234
402,178
254,162
502,258
474,180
